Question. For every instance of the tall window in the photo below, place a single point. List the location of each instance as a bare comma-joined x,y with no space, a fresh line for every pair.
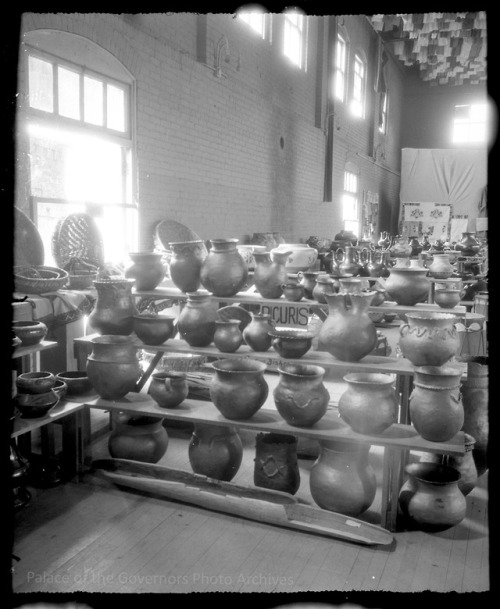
255,18
350,207
359,87
382,115
340,77
470,124
294,43
80,151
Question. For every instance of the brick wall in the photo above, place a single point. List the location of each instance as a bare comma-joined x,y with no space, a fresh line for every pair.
238,154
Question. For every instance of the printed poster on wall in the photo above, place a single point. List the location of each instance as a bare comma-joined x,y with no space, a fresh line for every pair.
428,212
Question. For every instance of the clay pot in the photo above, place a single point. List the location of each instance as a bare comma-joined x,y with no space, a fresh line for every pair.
196,321
293,291
369,405
468,245
247,251
228,337
464,464
146,270
429,338
440,268
407,286
474,391
447,298
300,395
185,264
324,285
342,478
400,248
168,389
375,265
113,367
35,382
256,333
238,388
436,409
114,308
138,438
348,259
30,332
269,240
276,465
77,382
154,329
348,334
270,273
301,256
223,272
308,281
35,405
215,451
291,342
430,499
416,247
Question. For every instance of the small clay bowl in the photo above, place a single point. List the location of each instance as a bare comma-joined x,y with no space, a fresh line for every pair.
60,388
32,406
376,316
291,343
35,382
154,329
77,382
447,298
29,332
389,317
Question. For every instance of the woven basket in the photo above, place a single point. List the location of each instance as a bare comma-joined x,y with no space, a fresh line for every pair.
77,236
39,279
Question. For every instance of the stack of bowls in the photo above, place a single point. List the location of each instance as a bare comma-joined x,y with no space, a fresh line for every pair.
38,393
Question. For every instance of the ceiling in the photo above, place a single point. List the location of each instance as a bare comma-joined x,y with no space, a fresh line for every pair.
446,48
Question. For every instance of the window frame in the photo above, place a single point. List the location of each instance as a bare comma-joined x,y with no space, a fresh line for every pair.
351,190
343,71
303,37
383,112
359,60
469,123
266,22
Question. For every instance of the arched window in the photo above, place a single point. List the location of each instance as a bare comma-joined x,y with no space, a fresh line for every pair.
75,130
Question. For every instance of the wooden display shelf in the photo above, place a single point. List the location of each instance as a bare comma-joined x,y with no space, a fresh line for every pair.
22,351
63,408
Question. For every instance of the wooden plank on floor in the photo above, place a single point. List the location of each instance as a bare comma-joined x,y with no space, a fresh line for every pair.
336,567
398,571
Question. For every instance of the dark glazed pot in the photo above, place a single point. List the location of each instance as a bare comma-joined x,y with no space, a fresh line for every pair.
430,499
276,465
270,273
30,332
154,329
475,394
139,439
308,281
35,382
146,269
256,334
228,337
224,271
114,308
185,264
407,286
215,451
369,405
300,396
168,389
196,322
342,478
238,388
113,367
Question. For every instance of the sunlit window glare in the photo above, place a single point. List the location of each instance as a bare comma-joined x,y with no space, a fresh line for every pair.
470,124
350,203
293,37
254,19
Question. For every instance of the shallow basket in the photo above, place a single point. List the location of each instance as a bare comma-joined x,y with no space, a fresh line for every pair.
39,279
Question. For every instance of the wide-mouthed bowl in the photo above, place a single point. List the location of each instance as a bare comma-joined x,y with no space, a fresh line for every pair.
77,381
291,342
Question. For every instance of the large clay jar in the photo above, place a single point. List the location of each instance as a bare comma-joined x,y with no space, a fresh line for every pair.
256,333
114,308
440,268
168,388
146,269
430,499
301,256
429,338
324,285
348,334
215,451
224,272
468,245
369,404
138,438
113,367
342,478
375,264
185,264
474,391
196,322
308,281
270,273
349,260
300,395
464,464
227,337
238,388
276,465
407,286
436,409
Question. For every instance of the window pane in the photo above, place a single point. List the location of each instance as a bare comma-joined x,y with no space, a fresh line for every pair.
41,93
115,108
461,133
339,85
93,101
68,93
